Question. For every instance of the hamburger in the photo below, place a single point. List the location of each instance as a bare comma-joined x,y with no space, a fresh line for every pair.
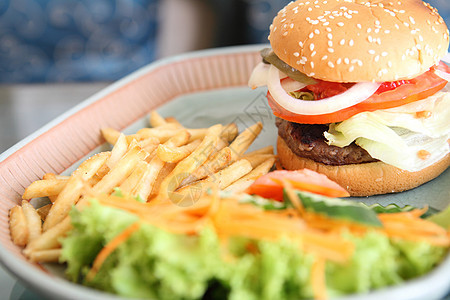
359,91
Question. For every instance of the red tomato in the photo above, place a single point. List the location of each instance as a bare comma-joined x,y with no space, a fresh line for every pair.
270,185
390,94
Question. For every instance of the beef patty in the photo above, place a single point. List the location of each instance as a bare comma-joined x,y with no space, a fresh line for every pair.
308,141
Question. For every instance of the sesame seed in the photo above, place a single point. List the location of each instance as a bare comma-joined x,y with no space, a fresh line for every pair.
296,54
340,24
387,31
351,68
346,61
330,64
390,64
330,43
384,53
285,33
330,36
292,25
342,42
377,58
300,44
313,53
371,51
351,43
311,35
338,61
316,31
369,30
359,26
324,57
331,50
311,46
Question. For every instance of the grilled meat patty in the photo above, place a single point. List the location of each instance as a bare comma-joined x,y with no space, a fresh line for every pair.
308,141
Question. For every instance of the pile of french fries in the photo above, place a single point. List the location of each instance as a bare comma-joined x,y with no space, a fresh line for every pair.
165,162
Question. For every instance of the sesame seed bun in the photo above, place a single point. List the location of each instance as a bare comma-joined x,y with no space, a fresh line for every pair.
355,41
365,179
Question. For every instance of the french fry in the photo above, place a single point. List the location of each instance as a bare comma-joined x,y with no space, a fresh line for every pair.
163,132
190,163
45,256
258,159
50,238
156,119
244,140
173,121
72,191
180,138
110,135
120,171
163,173
214,163
175,154
52,176
44,188
33,221
18,226
243,183
144,187
230,174
119,150
264,150
43,211
130,183
55,176
229,132
221,179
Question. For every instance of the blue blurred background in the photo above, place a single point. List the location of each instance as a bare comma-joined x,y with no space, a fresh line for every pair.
103,40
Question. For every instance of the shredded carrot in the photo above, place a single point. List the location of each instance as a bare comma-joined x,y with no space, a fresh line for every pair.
293,196
318,281
314,233
109,248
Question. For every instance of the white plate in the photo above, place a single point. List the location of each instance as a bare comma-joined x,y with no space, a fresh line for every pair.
200,89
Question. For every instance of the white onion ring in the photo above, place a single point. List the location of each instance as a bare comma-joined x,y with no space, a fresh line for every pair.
259,75
356,94
291,85
442,74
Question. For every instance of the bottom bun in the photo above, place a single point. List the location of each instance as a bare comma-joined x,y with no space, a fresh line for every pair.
364,179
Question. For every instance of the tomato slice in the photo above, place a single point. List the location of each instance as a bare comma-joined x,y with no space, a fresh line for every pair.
390,95
269,186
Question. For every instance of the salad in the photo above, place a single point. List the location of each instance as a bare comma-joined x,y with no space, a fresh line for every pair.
299,242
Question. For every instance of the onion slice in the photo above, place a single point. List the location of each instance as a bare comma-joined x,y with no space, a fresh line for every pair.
356,94
291,85
442,74
259,75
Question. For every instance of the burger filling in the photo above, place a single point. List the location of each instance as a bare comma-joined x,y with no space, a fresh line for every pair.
402,123
307,140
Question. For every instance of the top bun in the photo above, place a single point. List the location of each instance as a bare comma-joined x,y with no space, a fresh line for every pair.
359,40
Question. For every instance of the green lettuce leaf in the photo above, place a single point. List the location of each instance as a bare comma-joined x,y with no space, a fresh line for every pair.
153,263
